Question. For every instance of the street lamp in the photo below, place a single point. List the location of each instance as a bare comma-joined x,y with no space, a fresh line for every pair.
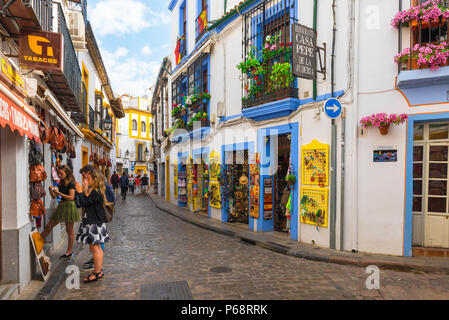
147,153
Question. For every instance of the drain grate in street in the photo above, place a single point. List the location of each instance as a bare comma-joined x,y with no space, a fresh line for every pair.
221,270
178,290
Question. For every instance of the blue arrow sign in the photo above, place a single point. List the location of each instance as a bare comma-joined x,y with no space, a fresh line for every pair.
332,108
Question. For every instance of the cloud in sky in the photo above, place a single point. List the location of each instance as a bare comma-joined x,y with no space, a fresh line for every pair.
134,37
118,17
147,51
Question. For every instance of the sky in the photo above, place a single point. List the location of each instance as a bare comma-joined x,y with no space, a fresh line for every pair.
134,37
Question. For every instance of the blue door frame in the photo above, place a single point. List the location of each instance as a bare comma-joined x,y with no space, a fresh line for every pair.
408,214
266,158
203,153
236,147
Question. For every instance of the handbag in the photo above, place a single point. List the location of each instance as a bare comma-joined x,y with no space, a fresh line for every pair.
37,191
37,208
108,211
77,200
37,173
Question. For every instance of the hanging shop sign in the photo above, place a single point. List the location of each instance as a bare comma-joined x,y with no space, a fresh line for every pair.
304,52
41,50
10,76
17,119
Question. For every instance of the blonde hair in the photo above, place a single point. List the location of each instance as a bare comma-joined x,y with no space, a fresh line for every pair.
98,177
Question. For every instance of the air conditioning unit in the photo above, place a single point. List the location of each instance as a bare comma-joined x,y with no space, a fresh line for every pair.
76,26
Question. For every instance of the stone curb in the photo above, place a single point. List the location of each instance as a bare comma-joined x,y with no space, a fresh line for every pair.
279,248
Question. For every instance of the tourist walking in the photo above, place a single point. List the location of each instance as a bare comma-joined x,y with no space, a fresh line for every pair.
92,230
144,182
66,211
124,183
131,183
115,179
137,183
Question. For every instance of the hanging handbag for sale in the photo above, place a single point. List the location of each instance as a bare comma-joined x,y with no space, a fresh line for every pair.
37,208
35,156
37,191
44,132
37,173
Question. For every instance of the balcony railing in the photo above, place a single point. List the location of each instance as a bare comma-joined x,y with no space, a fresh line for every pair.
81,117
91,119
423,34
201,24
67,85
43,12
267,53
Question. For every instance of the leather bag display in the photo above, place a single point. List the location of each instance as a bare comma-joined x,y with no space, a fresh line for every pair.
37,208
37,191
37,173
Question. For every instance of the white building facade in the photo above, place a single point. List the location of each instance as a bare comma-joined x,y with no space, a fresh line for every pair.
355,189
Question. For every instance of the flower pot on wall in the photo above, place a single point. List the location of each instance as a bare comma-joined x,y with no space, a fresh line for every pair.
384,131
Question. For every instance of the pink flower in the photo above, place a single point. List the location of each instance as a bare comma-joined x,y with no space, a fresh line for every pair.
273,47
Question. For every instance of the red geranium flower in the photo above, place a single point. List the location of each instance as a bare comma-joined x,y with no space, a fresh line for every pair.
259,83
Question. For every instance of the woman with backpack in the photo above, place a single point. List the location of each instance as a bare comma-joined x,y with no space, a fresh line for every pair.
92,230
66,211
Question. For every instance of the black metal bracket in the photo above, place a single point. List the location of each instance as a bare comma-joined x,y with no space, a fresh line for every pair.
321,51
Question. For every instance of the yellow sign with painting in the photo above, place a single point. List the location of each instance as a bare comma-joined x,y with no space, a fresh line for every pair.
214,166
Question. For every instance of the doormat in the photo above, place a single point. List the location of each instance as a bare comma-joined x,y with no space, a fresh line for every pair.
178,290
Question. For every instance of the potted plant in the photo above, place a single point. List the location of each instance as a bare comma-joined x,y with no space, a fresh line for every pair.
382,121
281,75
291,179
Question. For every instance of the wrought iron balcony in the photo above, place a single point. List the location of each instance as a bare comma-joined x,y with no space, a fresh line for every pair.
267,52
67,85
91,119
81,117
201,24
27,15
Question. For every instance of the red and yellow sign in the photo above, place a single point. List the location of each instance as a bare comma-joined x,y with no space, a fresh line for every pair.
41,51
10,76
17,119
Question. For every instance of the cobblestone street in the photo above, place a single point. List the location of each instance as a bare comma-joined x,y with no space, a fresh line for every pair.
149,246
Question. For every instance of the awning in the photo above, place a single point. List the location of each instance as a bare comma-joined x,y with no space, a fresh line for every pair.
19,118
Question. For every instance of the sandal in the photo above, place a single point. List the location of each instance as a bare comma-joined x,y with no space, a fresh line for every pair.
88,279
102,275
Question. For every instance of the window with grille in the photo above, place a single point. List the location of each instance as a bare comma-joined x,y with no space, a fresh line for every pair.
143,127
267,44
134,125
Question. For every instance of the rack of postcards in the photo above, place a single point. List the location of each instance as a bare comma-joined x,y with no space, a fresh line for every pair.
254,169
182,185
315,182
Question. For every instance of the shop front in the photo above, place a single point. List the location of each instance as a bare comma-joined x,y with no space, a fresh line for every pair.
182,174
279,171
235,183
200,181
427,174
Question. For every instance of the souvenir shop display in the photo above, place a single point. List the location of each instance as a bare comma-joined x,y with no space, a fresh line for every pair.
213,188
268,199
315,172
214,194
205,186
190,183
235,186
37,177
254,169
182,185
315,160
44,262
175,180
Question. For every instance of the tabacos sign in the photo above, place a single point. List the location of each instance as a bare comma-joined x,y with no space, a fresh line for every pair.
11,76
41,51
